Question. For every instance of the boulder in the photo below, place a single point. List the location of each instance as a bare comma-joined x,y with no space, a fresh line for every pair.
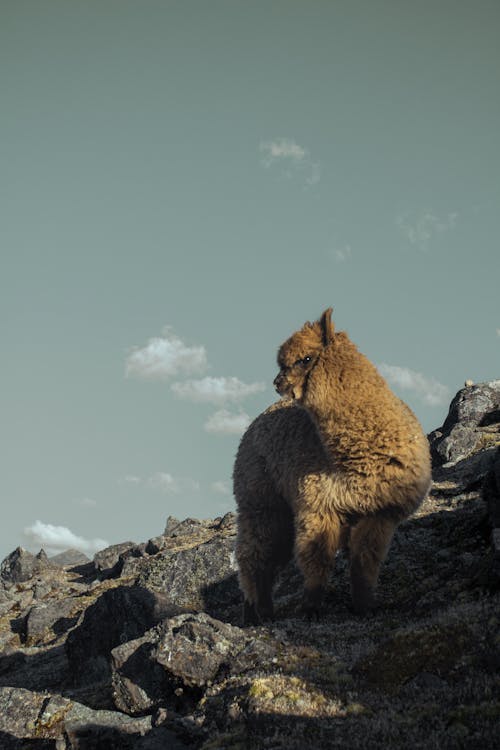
474,416
119,615
48,619
41,720
199,578
174,662
109,561
20,566
69,558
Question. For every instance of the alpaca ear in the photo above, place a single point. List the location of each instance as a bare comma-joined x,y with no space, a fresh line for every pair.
327,327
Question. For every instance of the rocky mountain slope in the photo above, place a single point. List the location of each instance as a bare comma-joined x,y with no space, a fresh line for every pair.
141,647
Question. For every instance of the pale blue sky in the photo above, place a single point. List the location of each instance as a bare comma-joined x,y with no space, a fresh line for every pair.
183,184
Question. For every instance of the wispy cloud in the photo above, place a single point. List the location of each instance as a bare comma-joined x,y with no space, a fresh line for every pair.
171,485
421,229
217,390
165,356
429,390
131,479
56,539
283,148
498,332
163,481
292,158
342,254
224,422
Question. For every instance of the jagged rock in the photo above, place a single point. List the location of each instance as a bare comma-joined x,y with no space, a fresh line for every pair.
7,601
473,415
41,720
200,578
109,561
176,530
227,522
155,544
51,618
69,558
173,662
17,567
119,615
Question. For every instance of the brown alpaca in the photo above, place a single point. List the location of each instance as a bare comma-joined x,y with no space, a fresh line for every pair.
338,462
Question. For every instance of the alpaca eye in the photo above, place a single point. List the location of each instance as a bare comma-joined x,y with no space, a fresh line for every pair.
303,361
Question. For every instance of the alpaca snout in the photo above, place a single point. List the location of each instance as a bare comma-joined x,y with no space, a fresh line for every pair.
278,382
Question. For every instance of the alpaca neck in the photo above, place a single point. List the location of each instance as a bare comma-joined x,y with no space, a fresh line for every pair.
336,385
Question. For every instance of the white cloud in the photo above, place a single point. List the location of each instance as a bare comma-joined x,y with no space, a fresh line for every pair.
131,479
341,254
171,485
283,148
420,230
224,422
164,356
429,390
498,331
294,157
216,390
221,487
56,539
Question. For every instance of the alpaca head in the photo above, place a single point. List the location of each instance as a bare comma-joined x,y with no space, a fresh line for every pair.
300,354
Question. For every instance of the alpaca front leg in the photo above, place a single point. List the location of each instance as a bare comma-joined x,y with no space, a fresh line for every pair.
317,541
369,542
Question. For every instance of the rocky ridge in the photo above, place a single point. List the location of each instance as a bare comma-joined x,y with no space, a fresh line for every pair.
141,647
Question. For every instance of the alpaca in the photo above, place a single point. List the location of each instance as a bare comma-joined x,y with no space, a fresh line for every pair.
338,462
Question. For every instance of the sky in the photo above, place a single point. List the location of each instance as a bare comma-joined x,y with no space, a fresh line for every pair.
184,184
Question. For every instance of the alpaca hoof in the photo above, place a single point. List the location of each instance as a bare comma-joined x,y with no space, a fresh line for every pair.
256,614
312,614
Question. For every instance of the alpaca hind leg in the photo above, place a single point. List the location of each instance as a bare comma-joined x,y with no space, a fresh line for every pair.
264,543
316,544
369,542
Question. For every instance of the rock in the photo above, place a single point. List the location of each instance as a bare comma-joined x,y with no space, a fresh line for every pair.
227,522
170,525
171,664
17,567
69,558
119,615
52,721
200,578
48,619
156,544
41,589
473,409
20,712
109,561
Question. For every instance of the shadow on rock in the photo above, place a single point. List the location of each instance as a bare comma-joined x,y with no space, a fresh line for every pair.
119,615
9,742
